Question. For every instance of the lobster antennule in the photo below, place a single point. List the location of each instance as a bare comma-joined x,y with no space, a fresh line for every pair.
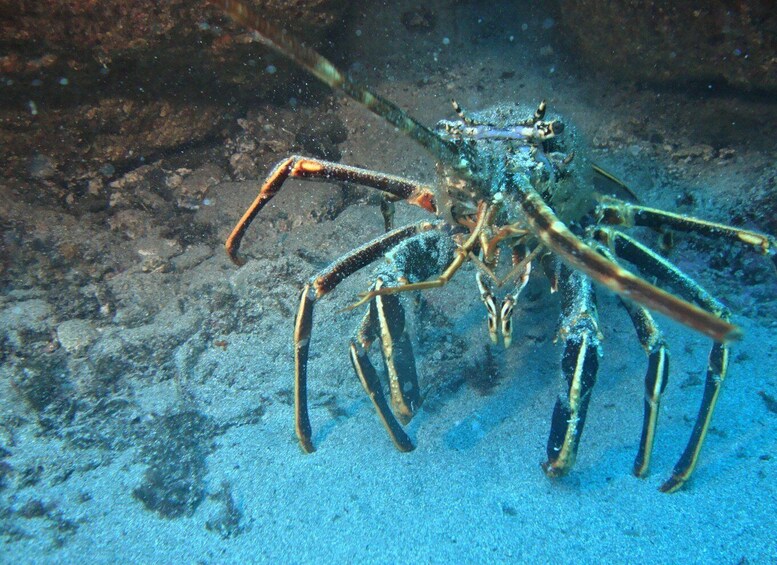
323,69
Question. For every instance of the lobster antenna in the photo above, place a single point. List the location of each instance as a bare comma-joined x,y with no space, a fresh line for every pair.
324,70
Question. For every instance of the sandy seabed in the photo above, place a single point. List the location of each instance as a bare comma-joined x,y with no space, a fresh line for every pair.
196,461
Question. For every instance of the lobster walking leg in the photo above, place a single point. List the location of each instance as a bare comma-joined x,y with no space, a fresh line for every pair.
396,188
320,285
579,364
653,264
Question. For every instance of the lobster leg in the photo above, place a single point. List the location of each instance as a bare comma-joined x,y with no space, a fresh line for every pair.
559,239
320,285
367,375
416,258
412,253
396,188
385,319
617,212
717,365
656,377
398,356
579,364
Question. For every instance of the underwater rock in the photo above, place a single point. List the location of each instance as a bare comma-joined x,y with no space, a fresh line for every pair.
678,42
76,335
322,138
89,83
41,167
191,257
763,203
191,187
419,19
26,322
43,382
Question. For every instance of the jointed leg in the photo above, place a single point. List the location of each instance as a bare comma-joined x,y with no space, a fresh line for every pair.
579,365
656,377
396,188
398,356
616,212
559,239
462,254
320,285
372,385
717,364
385,319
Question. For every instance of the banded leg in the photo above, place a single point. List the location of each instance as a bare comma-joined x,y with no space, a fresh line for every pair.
653,264
616,212
463,254
303,168
397,356
385,319
559,239
579,364
372,386
656,377
320,285
462,114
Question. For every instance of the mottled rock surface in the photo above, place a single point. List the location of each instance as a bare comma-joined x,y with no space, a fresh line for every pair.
733,43
89,89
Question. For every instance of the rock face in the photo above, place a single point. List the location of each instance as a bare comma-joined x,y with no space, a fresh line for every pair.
89,88
734,43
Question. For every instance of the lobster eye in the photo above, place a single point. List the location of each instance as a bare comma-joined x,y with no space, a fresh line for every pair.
557,127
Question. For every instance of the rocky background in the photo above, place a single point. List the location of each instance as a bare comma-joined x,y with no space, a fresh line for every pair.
132,136
727,44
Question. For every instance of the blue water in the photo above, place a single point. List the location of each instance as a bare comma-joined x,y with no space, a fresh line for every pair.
147,382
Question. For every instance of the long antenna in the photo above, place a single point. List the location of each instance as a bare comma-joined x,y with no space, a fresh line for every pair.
325,71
